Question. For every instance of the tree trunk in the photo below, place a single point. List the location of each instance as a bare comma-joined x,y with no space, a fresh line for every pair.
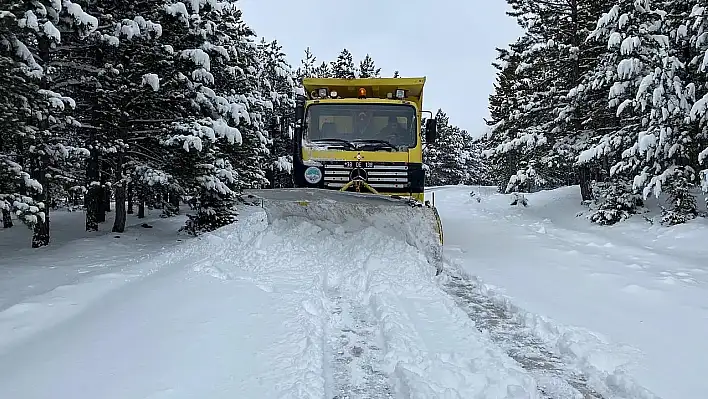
174,201
100,203
107,191
101,196
119,222
130,194
585,180
107,198
6,218
141,205
91,199
120,188
584,176
41,236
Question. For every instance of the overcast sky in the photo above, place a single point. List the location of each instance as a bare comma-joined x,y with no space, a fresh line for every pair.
451,42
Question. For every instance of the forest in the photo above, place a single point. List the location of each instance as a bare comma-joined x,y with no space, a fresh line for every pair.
181,106
160,105
610,95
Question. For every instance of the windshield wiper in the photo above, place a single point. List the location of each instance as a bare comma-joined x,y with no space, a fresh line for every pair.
372,141
345,142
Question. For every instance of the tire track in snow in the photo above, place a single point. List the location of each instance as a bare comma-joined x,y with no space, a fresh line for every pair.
350,334
554,377
374,291
355,352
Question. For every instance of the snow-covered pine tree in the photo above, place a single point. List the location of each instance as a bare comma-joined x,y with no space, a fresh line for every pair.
476,166
444,160
30,33
545,132
278,83
228,128
645,77
696,31
503,105
670,161
538,69
18,72
126,98
251,158
576,115
617,75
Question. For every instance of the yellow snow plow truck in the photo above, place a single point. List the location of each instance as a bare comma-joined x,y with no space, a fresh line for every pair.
358,160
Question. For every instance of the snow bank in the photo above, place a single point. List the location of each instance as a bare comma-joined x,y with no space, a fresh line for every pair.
353,212
603,362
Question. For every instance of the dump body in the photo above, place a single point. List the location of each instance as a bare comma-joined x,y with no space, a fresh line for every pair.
361,135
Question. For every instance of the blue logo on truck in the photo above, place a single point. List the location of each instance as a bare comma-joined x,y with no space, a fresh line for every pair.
313,175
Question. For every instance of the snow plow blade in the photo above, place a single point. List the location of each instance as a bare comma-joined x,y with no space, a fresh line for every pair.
415,223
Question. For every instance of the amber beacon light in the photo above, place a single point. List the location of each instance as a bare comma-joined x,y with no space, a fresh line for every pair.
362,92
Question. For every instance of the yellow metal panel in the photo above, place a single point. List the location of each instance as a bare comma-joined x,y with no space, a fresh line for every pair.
375,87
366,156
350,87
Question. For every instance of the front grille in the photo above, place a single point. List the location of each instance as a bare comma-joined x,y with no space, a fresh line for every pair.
379,176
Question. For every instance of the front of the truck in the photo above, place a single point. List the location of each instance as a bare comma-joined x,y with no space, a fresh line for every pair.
352,136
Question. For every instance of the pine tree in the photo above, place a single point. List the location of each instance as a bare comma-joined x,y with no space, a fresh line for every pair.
307,67
367,69
30,33
694,32
651,100
343,66
669,162
476,167
445,159
278,84
324,70
130,68
543,133
218,68
503,104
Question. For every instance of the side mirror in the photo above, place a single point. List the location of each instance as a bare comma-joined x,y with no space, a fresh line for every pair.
431,130
299,111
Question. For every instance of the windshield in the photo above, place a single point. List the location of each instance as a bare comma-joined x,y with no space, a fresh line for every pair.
378,125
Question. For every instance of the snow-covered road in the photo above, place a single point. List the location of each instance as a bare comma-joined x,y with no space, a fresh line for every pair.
258,311
298,310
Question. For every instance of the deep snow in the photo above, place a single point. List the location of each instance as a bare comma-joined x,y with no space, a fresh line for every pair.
301,310
630,298
258,311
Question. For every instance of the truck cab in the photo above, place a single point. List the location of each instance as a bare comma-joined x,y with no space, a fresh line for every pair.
361,135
